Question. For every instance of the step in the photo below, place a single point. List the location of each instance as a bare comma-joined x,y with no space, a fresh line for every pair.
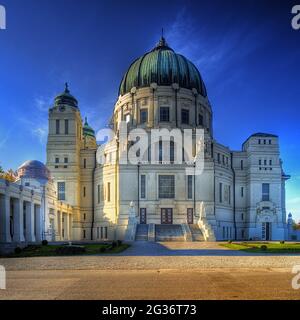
141,232
169,232
197,234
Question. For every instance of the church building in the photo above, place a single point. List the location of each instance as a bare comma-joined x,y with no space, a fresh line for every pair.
239,195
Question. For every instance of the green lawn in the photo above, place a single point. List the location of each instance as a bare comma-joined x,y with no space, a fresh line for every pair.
271,247
50,250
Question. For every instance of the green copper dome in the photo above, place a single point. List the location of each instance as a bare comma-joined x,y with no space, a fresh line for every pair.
87,130
66,98
164,67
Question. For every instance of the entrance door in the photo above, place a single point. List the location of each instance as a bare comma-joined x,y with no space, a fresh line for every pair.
266,231
190,216
143,216
166,216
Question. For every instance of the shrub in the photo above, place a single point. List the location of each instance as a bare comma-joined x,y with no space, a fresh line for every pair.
44,242
282,242
114,244
229,241
119,242
18,250
102,249
65,250
263,247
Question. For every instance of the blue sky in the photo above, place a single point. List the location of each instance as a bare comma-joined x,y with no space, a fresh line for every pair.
246,51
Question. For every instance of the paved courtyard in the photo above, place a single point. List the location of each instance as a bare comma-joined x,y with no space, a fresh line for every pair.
154,271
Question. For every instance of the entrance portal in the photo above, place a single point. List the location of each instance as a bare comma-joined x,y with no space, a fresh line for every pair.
190,216
166,216
266,231
143,216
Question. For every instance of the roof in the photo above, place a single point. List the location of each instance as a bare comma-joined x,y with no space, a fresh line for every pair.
164,67
33,169
66,98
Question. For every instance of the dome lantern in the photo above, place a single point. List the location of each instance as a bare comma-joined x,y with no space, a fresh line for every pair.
66,98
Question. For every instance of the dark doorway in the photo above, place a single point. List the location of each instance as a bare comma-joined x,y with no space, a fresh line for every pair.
143,216
190,216
166,216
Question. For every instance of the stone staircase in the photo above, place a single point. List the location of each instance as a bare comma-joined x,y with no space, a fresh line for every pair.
169,232
141,232
197,234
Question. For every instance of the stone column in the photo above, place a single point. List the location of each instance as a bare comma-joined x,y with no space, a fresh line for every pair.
38,222
70,227
18,220
5,218
66,226
60,226
29,220
56,226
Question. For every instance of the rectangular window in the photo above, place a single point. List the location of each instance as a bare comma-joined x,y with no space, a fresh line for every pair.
172,151
84,163
185,116
84,192
143,116
66,160
66,126
270,141
61,190
98,232
149,153
103,232
220,192
229,194
57,126
190,187
84,234
56,160
143,186
160,151
242,165
166,187
265,162
259,162
242,192
98,193
200,119
164,114
219,158
223,159
223,232
270,162
242,216
108,191
258,141
265,192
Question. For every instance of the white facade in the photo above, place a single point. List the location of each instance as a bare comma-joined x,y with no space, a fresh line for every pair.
240,195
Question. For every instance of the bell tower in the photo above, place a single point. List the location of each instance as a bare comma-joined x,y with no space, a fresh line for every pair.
63,153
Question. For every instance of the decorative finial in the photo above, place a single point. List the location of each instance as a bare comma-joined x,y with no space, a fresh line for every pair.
67,87
86,120
162,41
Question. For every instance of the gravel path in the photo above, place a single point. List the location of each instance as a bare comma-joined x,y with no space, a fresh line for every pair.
157,256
